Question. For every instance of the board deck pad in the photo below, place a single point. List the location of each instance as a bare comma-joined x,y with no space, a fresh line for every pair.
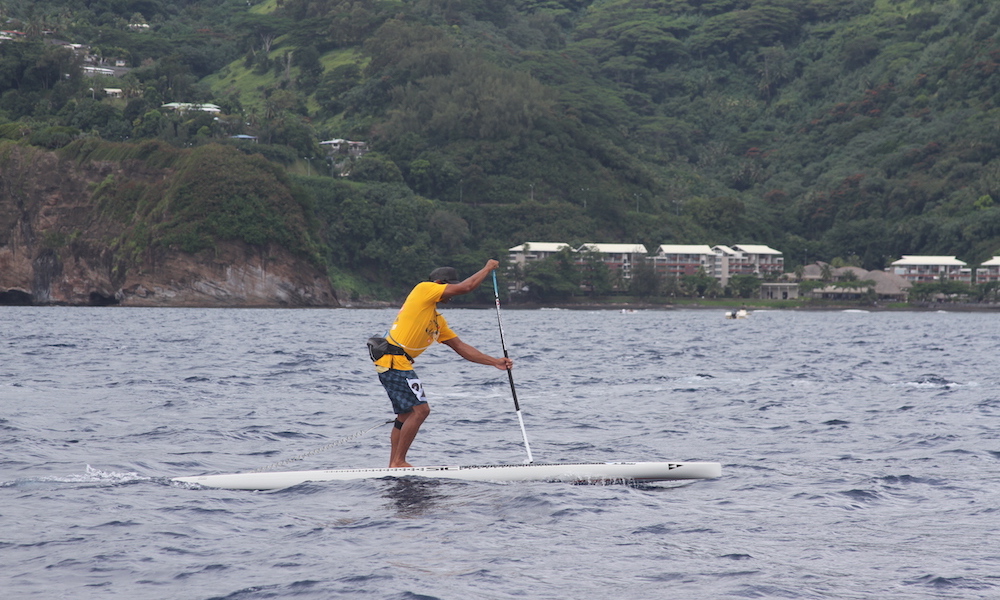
567,472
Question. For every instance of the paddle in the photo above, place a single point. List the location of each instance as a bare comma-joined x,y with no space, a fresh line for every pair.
510,376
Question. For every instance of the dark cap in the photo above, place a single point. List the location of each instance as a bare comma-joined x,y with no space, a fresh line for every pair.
445,274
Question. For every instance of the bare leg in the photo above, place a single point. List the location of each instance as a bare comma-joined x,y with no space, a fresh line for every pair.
402,438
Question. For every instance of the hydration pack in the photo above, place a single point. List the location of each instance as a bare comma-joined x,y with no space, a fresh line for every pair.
379,346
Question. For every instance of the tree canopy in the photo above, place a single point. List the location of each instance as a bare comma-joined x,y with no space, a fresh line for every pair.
819,127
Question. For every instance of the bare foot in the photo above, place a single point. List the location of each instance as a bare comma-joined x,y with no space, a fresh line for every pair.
401,465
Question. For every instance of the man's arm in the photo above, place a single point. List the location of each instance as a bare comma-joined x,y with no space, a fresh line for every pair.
471,283
473,355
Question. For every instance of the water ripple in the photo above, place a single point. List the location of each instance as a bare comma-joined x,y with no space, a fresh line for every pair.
859,450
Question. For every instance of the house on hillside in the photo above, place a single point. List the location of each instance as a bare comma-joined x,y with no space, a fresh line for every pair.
930,269
92,71
183,107
93,64
77,49
338,146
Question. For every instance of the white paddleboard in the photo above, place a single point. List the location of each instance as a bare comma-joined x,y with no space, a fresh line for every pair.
569,472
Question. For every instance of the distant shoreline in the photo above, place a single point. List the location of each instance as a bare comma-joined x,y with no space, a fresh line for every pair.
722,305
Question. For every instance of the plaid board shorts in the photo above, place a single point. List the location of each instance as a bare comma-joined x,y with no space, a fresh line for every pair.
404,388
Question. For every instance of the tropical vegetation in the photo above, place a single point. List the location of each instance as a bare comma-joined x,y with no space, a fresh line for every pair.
858,129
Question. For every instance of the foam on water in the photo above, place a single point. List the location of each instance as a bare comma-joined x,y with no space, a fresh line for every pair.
91,475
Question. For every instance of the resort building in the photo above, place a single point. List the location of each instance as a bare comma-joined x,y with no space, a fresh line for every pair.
746,259
530,252
782,290
676,260
670,260
619,258
523,255
725,260
988,271
929,269
889,286
885,286
765,260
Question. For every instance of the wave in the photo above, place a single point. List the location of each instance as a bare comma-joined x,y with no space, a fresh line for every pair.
91,475
939,582
933,382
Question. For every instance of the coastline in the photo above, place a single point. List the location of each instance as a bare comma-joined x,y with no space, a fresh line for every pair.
614,305
722,305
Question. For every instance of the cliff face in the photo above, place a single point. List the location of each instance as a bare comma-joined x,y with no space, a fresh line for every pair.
236,275
58,245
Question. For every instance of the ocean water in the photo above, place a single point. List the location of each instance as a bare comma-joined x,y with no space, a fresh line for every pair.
860,452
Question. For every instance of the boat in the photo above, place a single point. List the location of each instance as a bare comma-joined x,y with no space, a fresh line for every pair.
560,472
737,314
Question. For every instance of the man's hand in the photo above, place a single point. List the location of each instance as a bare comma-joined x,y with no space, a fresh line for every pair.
471,283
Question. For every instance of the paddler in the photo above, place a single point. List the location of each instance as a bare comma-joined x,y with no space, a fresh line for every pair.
417,326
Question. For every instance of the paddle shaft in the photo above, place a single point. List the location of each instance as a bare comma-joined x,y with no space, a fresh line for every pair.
510,375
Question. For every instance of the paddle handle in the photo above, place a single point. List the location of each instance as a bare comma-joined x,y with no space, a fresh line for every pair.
510,375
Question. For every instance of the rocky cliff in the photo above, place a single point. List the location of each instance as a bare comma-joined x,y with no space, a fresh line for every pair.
60,243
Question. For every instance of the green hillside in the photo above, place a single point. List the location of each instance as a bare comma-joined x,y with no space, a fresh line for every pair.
859,129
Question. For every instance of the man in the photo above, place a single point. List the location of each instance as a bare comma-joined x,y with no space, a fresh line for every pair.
417,326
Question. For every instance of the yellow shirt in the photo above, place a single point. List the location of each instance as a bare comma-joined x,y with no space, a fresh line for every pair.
418,325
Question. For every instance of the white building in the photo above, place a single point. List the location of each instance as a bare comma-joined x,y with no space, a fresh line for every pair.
724,257
530,252
764,260
781,290
91,71
618,257
929,269
677,260
746,259
988,271
189,106
335,146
